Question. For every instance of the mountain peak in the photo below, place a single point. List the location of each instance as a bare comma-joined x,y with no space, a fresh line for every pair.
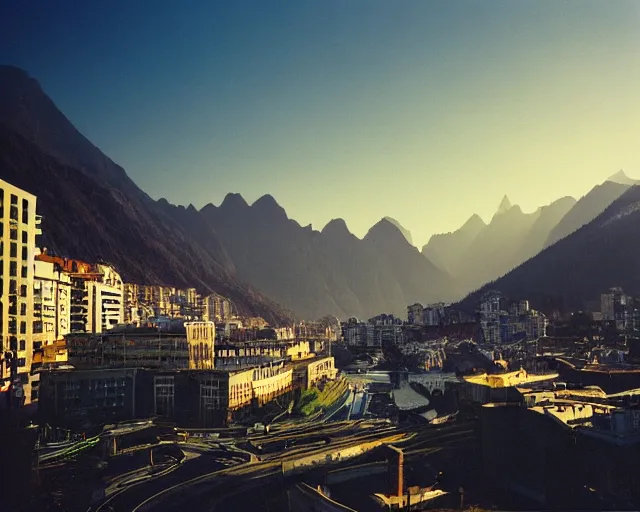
385,231
336,226
621,178
474,223
505,205
267,205
234,201
405,232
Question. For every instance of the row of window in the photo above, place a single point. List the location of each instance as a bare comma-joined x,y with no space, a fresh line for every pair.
13,251
13,213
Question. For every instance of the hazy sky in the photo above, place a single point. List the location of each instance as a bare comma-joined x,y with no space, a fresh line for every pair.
427,111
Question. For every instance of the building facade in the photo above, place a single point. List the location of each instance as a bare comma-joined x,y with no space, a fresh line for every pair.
19,227
415,314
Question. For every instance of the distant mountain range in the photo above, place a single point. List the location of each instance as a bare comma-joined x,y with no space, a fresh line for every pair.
478,253
581,266
93,211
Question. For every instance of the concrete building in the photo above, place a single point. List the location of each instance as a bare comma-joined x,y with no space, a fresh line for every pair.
19,227
105,294
198,398
217,308
415,314
504,321
97,294
51,303
201,339
618,308
434,314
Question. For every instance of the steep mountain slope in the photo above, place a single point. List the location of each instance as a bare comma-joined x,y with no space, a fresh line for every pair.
329,272
93,211
590,206
492,252
548,219
582,265
405,232
479,252
447,250
417,277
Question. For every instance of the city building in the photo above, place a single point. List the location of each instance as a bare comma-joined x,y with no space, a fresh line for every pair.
51,303
19,227
97,294
370,336
617,308
415,314
504,321
434,314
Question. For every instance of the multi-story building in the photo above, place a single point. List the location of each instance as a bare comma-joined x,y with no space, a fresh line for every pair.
617,307
503,321
51,303
415,314
216,308
19,226
434,314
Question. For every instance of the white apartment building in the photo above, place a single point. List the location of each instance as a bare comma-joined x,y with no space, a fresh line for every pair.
105,299
19,226
51,303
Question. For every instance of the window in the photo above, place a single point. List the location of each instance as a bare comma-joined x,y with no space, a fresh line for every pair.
25,211
13,234
14,200
13,250
25,253
1,203
23,309
37,327
13,269
13,287
23,290
164,395
13,343
25,237
22,362
24,271
23,345
23,328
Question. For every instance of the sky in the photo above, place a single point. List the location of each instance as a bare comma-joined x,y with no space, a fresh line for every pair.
427,111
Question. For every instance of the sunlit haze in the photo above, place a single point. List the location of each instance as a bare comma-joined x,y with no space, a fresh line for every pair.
424,111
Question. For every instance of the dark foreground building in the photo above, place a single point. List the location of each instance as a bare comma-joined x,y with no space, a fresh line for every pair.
82,399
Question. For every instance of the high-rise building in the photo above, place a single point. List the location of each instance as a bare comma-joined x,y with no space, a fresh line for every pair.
19,226
617,307
97,294
51,303
415,314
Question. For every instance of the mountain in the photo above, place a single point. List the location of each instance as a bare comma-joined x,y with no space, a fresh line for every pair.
405,232
478,252
447,250
548,218
93,211
316,273
492,252
590,206
581,266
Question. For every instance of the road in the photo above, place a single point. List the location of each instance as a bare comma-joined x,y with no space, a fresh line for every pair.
206,483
